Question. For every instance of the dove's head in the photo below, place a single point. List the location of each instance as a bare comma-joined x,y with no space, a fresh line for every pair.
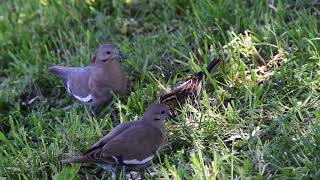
107,52
156,113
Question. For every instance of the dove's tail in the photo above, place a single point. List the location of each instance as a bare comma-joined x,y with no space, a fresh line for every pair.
77,159
59,71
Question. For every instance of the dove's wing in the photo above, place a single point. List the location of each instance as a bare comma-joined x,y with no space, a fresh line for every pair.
77,83
96,148
136,145
113,133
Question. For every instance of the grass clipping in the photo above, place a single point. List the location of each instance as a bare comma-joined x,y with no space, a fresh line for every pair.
249,64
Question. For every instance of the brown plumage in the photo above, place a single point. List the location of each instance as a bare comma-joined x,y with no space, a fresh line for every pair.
131,145
189,89
94,84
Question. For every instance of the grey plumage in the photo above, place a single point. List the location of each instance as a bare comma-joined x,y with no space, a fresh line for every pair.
94,84
131,145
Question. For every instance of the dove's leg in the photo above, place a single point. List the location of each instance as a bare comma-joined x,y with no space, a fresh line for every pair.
95,109
94,114
98,104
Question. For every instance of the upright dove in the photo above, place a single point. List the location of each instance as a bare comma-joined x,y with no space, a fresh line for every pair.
131,145
93,85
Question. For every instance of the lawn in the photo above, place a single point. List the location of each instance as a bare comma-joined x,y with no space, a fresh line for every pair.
258,117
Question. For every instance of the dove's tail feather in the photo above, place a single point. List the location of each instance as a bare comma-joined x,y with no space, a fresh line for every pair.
77,159
59,71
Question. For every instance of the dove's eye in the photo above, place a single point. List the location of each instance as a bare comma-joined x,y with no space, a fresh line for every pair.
162,112
108,52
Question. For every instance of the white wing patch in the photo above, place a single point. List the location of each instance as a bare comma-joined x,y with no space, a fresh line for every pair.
68,88
135,161
85,99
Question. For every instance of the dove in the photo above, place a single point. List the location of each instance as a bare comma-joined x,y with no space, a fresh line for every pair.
94,85
131,145
191,88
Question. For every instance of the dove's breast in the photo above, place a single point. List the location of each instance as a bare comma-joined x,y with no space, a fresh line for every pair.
109,78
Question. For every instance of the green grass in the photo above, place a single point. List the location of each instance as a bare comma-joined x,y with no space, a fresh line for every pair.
270,129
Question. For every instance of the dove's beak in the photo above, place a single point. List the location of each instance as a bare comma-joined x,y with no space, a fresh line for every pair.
172,117
120,56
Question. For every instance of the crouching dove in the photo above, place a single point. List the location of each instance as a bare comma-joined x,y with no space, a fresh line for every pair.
94,84
131,145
